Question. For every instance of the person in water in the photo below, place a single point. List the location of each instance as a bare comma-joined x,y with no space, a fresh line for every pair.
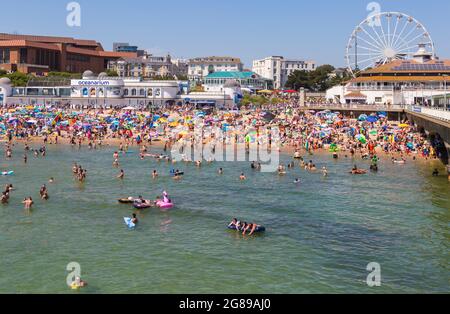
154,174
435,173
134,219
355,170
233,223
251,226
4,198
242,177
78,283
220,171
121,175
43,192
297,180
28,202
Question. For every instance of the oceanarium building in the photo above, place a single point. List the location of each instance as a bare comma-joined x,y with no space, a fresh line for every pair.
106,92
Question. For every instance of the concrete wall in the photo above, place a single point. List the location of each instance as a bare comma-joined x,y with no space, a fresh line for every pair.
433,126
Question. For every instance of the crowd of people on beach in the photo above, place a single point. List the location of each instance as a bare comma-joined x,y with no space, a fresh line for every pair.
300,131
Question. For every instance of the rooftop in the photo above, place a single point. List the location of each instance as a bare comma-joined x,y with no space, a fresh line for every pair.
233,75
50,39
410,66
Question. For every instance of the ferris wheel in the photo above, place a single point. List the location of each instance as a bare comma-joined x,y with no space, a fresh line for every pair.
384,37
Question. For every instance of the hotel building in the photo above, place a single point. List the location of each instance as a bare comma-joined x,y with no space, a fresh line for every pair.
278,69
42,54
199,68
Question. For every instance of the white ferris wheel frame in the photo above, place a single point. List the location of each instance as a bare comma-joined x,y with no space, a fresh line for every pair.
385,46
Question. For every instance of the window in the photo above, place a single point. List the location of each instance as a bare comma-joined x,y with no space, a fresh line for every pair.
23,55
133,92
4,55
125,92
378,99
142,92
78,58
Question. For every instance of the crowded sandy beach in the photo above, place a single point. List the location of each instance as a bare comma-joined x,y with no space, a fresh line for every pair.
300,131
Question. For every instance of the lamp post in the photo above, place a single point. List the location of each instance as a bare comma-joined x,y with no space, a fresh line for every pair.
445,91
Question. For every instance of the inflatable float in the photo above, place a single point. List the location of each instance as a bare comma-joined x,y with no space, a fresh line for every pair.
166,202
129,200
358,172
165,205
142,205
258,229
129,223
7,173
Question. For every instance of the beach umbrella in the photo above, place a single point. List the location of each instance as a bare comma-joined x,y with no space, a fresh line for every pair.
362,117
372,119
404,126
361,138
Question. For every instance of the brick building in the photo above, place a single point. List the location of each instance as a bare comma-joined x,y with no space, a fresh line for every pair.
42,54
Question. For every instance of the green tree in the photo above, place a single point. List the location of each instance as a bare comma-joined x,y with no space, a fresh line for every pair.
112,73
64,75
318,80
299,79
18,79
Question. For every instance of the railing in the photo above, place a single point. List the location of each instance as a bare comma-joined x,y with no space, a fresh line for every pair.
356,107
442,114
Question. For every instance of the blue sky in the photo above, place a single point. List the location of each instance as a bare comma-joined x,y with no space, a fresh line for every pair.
250,29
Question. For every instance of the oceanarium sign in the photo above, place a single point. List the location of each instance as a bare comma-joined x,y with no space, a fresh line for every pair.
97,83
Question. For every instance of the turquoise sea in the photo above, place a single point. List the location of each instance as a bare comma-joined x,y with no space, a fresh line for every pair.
320,237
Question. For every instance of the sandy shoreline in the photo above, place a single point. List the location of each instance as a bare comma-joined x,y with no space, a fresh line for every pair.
284,149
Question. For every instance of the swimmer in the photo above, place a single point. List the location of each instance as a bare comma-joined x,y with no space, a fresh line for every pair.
220,171
297,181
78,283
242,177
43,191
324,171
154,174
435,173
51,180
28,202
134,219
121,174
252,227
233,223
4,198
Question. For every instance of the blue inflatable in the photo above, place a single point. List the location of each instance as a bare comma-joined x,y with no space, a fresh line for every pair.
7,173
258,229
129,223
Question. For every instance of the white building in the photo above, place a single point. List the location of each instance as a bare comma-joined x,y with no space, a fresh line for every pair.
147,66
103,91
400,82
278,69
5,89
199,68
